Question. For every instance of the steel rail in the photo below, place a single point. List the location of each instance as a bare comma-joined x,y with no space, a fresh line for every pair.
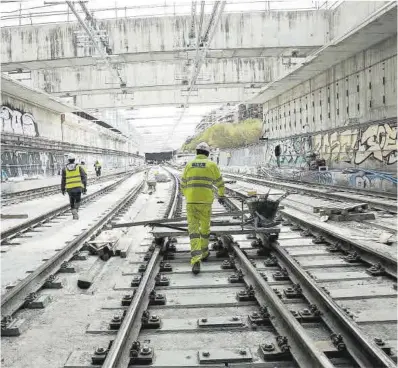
130,327
15,298
372,202
365,352
366,253
16,230
38,192
303,347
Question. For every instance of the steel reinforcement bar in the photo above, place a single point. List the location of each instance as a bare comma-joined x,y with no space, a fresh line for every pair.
15,298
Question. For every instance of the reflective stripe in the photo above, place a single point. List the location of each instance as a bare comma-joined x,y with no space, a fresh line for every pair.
196,253
205,178
205,236
194,236
208,186
219,179
73,182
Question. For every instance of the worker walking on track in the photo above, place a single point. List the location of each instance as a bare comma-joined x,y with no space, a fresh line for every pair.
83,166
74,181
97,167
197,183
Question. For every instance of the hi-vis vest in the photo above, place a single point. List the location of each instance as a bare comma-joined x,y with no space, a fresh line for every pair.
199,179
84,168
73,178
97,165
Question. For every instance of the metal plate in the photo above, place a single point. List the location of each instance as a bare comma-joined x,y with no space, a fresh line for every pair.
225,356
220,321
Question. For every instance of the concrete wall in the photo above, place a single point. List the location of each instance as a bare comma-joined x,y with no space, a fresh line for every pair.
27,120
347,114
20,117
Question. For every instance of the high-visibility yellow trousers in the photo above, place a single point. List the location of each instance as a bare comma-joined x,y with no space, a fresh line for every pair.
199,217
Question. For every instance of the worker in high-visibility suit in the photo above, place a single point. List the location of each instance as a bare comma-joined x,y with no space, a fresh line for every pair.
83,166
198,181
97,167
74,182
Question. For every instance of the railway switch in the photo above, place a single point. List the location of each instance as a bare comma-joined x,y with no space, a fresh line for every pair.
162,280
149,321
141,354
246,295
156,299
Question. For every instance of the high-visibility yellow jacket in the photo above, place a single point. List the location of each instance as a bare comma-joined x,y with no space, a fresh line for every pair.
199,180
97,164
73,176
84,168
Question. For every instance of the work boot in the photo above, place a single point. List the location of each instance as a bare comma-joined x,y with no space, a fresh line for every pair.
196,268
74,214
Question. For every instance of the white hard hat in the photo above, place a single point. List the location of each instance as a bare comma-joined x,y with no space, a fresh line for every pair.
71,156
203,147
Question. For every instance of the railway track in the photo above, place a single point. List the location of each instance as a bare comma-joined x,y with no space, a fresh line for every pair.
256,303
8,199
36,222
237,312
26,289
377,201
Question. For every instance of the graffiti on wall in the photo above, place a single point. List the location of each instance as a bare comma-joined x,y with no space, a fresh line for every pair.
17,122
355,146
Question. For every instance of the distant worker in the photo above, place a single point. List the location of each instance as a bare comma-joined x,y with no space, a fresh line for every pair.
228,158
97,167
74,181
83,166
278,155
197,184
